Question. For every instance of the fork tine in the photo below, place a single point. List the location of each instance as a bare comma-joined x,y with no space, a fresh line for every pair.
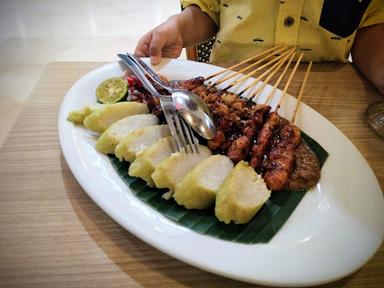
186,134
191,139
195,140
179,130
172,128
166,105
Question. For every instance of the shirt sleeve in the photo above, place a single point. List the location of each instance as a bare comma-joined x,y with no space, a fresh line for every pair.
374,14
211,7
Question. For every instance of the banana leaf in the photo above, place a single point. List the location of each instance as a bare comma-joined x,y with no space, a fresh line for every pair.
261,229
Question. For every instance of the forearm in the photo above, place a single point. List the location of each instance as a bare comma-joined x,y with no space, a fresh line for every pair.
194,25
368,54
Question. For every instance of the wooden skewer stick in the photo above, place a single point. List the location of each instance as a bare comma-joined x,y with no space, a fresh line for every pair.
244,61
246,68
279,79
301,92
274,68
289,80
278,64
245,77
257,92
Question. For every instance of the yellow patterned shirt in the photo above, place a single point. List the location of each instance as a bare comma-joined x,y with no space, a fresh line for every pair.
323,29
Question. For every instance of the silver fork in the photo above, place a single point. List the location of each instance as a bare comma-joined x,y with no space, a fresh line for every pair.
190,106
182,133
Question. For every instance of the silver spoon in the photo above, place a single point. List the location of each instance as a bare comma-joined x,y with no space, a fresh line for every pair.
190,106
182,134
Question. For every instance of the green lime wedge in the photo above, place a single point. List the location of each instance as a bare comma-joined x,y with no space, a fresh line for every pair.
111,90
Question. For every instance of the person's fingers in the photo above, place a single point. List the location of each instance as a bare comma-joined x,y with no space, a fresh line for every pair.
155,48
142,47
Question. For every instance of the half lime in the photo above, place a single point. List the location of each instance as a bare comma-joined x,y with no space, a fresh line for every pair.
111,90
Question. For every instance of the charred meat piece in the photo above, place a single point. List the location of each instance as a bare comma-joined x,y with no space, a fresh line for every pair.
239,149
248,131
202,92
189,84
218,141
264,139
281,157
258,117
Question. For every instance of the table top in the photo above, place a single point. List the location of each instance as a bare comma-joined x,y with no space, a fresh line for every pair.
52,234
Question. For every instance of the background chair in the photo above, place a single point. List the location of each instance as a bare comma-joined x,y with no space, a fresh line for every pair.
200,52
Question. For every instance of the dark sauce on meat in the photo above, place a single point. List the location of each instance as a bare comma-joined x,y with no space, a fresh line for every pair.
238,123
306,172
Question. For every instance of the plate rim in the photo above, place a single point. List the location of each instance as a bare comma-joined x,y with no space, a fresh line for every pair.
221,270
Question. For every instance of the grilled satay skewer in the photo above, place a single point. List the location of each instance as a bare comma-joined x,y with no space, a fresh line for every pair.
281,157
272,122
239,149
264,139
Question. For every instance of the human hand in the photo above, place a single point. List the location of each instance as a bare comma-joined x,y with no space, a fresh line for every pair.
163,41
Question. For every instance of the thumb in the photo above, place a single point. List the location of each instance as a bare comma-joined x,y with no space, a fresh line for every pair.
155,59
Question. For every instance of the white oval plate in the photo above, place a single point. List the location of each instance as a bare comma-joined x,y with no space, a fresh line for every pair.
336,228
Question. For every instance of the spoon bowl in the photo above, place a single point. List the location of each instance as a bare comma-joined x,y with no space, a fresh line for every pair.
195,112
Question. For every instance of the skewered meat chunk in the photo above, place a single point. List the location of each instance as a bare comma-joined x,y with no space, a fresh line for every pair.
259,115
249,132
229,98
239,149
190,84
264,139
218,141
281,157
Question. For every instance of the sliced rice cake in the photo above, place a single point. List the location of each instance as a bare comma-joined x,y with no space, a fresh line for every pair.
103,117
78,116
138,140
172,169
241,195
147,159
111,137
197,190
